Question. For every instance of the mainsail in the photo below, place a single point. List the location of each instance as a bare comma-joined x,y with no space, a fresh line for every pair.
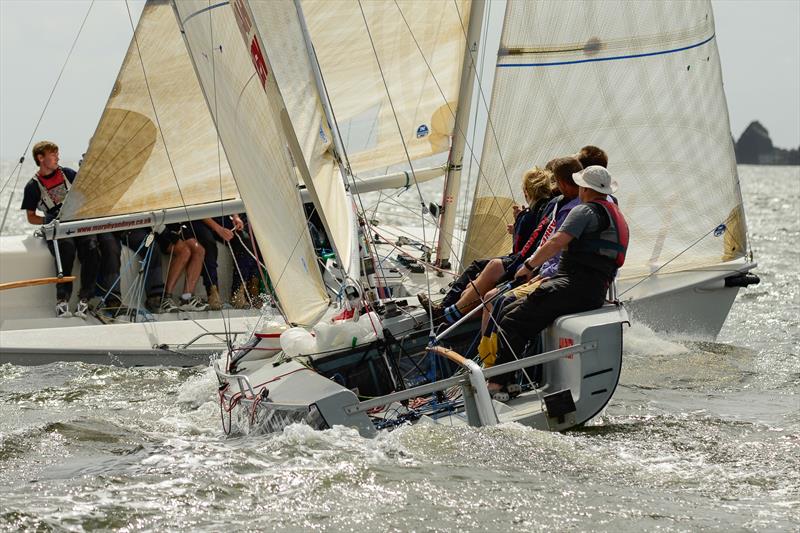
131,166
642,80
416,47
236,76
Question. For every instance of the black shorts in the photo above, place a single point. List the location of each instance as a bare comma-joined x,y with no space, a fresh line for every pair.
172,233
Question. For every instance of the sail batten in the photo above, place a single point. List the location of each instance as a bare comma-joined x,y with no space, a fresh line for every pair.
642,81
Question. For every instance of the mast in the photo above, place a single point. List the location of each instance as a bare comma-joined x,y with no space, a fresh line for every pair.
453,178
353,262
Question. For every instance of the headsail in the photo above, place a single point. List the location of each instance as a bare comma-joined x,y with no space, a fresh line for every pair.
641,80
128,168
278,24
424,98
237,79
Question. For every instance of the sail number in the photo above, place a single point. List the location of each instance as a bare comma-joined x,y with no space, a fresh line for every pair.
246,27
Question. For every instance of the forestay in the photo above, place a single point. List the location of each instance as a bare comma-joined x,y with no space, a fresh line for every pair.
419,46
236,76
131,166
641,80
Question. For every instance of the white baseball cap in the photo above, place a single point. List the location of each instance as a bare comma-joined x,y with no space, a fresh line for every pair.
597,178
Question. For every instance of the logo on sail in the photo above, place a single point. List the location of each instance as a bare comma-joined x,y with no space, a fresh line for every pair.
423,131
245,26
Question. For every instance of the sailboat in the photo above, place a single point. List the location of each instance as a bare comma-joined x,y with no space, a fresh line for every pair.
299,94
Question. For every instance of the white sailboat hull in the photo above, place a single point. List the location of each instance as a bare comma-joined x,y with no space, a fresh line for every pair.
30,334
691,303
580,370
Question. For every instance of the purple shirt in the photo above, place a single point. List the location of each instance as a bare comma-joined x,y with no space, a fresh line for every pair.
550,267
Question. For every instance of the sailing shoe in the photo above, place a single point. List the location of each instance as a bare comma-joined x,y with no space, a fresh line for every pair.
239,299
193,304
168,305
254,288
82,309
423,299
214,301
62,309
436,311
153,304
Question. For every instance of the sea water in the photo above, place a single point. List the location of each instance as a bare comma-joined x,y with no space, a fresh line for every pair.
700,435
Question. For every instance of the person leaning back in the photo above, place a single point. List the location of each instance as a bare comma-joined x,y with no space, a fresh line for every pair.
46,192
594,237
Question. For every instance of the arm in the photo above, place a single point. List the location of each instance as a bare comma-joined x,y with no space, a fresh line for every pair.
238,224
33,218
558,242
224,233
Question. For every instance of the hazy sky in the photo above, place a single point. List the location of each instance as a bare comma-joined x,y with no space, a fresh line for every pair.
759,43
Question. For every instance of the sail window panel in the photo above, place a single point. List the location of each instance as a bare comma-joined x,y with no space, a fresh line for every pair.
251,131
662,119
424,99
130,166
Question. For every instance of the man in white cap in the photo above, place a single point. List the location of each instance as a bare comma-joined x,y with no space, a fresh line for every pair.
594,238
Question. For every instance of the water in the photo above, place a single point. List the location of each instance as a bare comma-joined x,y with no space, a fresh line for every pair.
700,435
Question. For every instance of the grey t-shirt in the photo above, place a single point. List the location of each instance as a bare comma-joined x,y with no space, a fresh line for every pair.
582,220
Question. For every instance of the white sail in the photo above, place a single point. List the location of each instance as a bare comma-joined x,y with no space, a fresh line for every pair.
641,80
130,166
279,26
239,85
423,85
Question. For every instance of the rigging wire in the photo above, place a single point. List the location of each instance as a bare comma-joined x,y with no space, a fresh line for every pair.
227,327
470,146
18,167
402,139
654,272
161,134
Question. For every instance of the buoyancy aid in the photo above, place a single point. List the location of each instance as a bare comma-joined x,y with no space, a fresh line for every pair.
602,250
53,189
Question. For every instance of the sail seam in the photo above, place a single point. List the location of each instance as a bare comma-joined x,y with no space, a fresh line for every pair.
612,58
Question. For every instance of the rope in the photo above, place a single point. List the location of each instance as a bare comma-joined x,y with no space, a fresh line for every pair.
18,167
653,273
11,196
472,156
402,140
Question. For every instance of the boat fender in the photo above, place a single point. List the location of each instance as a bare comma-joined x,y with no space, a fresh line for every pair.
742,280
298,341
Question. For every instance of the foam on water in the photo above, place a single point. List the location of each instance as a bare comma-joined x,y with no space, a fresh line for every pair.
699,435
640,340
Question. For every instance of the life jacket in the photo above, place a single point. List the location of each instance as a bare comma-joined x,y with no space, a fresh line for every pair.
602,250
53,190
